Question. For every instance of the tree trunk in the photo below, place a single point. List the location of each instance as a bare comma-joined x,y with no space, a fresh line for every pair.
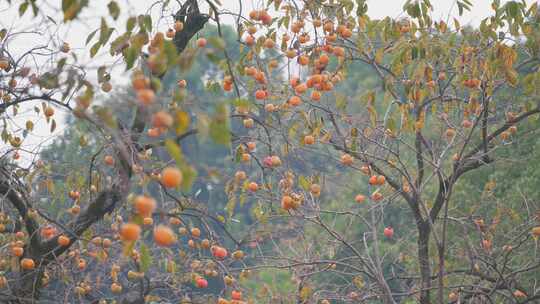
424,231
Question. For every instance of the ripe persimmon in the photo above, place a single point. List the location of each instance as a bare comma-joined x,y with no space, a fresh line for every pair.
269,43
201,283
201,42
17,251
49,111
182,83
450,133
227,86
153,132
290,53
269,107
253,187
275,161
376,196
238,255
303,60
240,175
388,232
109,160
116,288
346,159
148,221
162,119
248,123
175,221
63,240
130,232
249,40
288,203
309,140
359,198
260,94
146,96
255,15
144,205
106,87
219,252
266,18
27,264
246,157
536,231
76,209
251,145
106,243
236,295
315,189
81,264
164,236
195,232
171,177
324,59
295,101
300,89
315,95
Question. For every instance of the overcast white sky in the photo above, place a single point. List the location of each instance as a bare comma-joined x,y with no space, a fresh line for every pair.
76,32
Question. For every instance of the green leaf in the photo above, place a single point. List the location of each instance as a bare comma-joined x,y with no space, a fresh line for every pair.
391,125
94,49
114,9
3,34
220,125
217,42
341,101
119,43
34,8
372,115
303,182
90,36
104,32
106,115
170,52
61,63
130,24
49,80
72,8
22,8
131,56
148,23
146,257
229,207
512,8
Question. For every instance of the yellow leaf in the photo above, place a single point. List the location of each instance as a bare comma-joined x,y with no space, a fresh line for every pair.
305,293
182,122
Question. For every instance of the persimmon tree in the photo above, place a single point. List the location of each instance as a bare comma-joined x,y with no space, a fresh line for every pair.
343,186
